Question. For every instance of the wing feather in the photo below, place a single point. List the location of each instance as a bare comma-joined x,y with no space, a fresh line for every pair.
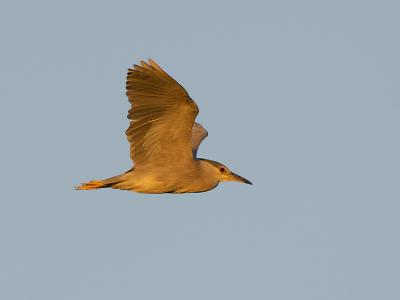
199,133
162,116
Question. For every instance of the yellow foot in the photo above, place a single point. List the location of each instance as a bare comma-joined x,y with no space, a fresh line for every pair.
91,185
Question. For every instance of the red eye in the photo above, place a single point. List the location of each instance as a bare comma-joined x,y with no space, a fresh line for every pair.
222,170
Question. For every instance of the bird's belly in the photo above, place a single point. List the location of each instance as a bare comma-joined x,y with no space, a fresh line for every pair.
149,184
170,182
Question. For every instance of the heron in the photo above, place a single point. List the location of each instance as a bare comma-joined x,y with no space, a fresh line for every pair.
164,139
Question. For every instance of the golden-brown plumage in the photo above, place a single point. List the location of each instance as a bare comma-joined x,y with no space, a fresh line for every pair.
162,115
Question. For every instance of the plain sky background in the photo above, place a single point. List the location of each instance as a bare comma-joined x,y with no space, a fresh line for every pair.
301,97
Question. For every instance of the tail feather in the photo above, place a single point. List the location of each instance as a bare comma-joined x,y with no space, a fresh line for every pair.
92,185
99,184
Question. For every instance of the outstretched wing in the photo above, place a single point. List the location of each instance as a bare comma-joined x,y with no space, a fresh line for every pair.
199,133
162,116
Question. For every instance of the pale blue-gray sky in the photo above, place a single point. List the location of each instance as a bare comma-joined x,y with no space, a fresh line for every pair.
301,97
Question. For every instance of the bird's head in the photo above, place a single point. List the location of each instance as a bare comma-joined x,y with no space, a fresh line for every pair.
223,173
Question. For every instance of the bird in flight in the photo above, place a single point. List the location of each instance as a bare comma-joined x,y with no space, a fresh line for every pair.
163,139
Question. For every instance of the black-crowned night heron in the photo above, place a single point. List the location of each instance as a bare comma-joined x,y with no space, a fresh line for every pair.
164,139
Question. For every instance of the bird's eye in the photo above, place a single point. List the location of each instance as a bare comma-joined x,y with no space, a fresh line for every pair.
222,170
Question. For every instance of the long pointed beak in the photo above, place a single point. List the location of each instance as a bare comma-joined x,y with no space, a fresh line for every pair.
236,177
